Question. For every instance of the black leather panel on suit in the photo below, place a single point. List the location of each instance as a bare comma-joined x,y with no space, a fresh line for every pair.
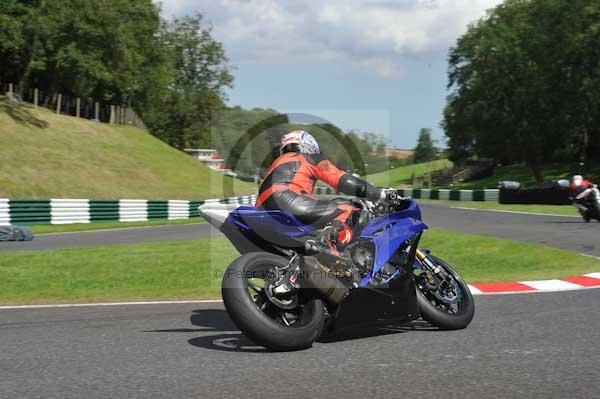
306,209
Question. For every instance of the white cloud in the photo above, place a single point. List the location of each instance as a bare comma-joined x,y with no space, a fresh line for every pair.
372,35
380,66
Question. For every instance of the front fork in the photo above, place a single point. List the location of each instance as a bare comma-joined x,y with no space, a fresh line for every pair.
430,267
424,259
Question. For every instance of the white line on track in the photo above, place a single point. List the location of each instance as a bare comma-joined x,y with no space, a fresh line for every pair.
474,290
551,285
517,212
534,291
76,305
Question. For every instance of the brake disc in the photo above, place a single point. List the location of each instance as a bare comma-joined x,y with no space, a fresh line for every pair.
448,295
285,301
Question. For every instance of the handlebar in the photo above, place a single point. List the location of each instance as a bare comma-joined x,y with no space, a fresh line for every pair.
392,203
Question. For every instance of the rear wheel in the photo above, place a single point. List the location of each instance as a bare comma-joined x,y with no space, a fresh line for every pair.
282,323
448,304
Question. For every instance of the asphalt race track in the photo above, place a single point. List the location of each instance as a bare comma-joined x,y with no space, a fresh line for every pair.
557,231
518,346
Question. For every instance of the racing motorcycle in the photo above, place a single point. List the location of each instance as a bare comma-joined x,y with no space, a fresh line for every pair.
288,287
590,201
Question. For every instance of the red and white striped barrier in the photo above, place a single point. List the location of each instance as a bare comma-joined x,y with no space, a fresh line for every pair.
590,280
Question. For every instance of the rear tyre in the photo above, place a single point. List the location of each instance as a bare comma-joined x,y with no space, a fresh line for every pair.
258,317
447,314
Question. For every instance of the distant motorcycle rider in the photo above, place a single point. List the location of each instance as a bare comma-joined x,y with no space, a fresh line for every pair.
577,187
291,179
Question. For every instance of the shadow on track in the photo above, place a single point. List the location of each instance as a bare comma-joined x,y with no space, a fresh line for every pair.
375,331
229,339
582,222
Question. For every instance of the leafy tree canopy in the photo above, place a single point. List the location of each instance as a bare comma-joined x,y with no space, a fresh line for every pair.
525,84
172,72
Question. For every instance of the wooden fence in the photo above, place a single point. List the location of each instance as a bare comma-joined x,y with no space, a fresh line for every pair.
75,106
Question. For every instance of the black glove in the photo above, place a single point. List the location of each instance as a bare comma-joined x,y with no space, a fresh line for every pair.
352,185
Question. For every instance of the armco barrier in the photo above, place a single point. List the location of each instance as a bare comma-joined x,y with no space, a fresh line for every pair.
451,195
4,212
447,195
67,211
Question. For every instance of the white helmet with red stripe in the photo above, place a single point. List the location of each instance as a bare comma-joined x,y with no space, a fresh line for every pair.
305,141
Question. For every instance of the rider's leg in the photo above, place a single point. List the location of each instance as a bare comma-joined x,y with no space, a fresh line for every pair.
581,208
319,213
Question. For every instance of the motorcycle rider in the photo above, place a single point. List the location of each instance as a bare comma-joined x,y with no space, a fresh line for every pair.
291,179
578,186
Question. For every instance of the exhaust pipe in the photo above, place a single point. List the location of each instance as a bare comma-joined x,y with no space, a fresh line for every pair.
321,279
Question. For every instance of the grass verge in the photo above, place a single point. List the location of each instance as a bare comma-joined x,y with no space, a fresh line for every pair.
172,270
186,269
403,175
562,210
68,228
482,259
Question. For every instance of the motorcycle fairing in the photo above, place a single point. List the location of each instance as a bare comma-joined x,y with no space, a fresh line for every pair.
389,233
250,229
394,302
265,229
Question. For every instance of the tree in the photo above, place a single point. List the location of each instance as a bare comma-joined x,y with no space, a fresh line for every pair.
181,116
524,84
425,150
101,49
119,51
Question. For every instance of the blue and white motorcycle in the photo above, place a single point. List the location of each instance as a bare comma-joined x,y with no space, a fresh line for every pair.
288,288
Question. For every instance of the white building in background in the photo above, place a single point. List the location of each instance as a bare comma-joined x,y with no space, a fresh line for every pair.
210,158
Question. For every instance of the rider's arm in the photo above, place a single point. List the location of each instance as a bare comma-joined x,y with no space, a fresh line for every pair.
345,182
352,185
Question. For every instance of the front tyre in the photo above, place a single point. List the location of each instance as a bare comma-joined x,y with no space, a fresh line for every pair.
451,306
259,317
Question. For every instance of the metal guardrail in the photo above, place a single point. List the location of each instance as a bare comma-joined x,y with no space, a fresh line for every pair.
67,211
435,194
452,195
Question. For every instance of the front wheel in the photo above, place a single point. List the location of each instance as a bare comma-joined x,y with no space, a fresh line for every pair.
282,324
447,305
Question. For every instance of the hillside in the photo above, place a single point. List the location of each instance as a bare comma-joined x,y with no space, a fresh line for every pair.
402,175
44,155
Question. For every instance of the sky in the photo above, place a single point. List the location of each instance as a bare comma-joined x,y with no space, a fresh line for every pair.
376,66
